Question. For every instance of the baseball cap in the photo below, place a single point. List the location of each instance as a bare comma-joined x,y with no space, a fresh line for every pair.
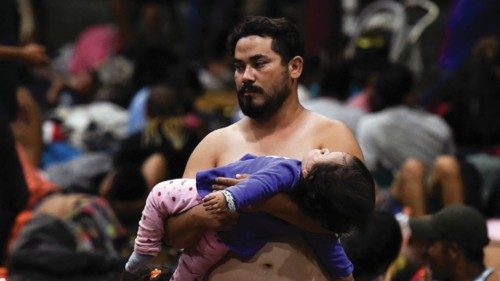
457,223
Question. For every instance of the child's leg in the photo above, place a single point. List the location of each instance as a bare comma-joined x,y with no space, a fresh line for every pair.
195,262
166,198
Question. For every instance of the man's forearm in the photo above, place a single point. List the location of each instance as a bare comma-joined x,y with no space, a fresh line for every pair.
10,52
281,206
183,230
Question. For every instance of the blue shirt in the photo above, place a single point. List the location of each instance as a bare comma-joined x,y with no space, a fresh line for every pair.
137,111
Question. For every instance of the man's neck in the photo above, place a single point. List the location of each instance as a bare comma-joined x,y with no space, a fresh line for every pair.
289,113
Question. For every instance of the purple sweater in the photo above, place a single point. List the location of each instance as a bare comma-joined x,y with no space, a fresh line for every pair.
269,175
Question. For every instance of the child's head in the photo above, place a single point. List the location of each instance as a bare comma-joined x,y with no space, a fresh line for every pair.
337,189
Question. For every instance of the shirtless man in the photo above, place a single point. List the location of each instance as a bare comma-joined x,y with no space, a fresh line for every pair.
268,62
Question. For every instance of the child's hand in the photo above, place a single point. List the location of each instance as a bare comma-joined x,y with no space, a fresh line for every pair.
215,202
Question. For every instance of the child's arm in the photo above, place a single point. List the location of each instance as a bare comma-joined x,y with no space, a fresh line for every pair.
331,255
276,176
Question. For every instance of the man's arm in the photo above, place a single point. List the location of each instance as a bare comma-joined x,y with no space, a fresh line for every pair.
185,229
282,207
32,54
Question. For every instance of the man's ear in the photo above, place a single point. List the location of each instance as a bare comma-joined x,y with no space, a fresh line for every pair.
295,67
454,251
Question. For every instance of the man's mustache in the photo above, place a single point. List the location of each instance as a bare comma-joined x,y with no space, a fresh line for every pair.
250,88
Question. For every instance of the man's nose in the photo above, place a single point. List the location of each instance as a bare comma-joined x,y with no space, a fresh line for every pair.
248,75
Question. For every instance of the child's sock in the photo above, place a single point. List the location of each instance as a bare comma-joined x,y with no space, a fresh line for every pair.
136,260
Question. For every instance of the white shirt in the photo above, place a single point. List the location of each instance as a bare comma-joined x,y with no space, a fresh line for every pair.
391,136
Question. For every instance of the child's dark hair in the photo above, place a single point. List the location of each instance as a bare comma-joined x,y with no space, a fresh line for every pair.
340,196
286,36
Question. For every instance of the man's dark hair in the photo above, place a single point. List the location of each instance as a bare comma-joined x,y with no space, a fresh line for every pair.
340,196
287,41
373,247
393,85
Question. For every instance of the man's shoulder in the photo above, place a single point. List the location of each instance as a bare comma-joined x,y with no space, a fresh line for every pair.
224,132
322,121
332,134
223,142
324,126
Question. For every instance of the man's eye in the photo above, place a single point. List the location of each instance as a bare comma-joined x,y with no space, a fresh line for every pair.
258,64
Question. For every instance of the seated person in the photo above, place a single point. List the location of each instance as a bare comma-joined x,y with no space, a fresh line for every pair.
373,248
157,153
334,188
456,238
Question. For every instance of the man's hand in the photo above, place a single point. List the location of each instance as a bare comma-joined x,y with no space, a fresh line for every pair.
215,202
222,183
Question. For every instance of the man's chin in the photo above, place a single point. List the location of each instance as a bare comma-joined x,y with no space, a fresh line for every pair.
254,112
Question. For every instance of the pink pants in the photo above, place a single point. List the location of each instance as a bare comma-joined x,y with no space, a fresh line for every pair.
169,198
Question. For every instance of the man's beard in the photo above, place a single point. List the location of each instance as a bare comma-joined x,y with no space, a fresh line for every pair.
271,102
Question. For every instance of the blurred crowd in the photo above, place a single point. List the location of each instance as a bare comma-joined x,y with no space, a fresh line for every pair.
100,100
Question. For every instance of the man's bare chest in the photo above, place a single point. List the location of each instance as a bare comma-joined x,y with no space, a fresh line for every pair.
292,148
